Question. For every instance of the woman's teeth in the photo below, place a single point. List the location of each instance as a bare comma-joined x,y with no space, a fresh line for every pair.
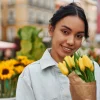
67,49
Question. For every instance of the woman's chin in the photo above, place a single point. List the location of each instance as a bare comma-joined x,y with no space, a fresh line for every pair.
66,54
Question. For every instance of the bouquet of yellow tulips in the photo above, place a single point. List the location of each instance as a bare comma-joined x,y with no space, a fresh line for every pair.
80,71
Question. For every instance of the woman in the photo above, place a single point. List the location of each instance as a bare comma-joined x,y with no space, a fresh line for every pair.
42,80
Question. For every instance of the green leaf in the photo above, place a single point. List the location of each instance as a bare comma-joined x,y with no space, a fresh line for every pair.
90,75
26,33
78,72
75,60
39,47
36,31
31,44
26,46
78,54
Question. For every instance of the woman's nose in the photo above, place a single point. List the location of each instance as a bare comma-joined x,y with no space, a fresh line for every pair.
70,40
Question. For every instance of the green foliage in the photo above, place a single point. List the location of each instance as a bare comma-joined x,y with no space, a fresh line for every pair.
31,45
90,75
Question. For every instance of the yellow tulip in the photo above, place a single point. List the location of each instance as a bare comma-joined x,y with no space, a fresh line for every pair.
81,65
87,62
68,61
63,68
92,67
64,63
72,61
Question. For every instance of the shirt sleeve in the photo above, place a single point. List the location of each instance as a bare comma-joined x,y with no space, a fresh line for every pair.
97,77
24,90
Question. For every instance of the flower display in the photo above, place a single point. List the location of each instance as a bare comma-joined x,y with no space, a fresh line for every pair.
80,71
9,72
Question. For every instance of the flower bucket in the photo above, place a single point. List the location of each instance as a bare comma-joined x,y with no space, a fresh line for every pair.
7,98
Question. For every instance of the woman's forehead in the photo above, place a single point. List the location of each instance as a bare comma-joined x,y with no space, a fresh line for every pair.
72,22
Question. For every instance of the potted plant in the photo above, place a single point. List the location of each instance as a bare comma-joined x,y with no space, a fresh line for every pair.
31,44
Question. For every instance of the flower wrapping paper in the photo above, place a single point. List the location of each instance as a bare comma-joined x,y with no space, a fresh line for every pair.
80,90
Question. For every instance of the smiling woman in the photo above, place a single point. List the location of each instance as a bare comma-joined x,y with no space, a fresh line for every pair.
67,36
42,80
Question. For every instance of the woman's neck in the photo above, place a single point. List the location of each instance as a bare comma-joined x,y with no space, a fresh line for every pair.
55,56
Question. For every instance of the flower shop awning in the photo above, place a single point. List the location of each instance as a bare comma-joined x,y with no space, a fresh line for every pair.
7,45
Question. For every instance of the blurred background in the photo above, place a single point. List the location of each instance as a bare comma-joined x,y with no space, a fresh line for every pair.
15,14
18,13
24,35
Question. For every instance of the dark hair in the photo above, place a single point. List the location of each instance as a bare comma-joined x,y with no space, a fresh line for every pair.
71,9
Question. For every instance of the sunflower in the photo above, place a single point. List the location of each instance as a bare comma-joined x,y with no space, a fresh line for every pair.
6,72
26,61
19,69
12,62
9,63
21,57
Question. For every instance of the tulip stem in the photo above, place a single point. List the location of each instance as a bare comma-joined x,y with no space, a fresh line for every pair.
85,77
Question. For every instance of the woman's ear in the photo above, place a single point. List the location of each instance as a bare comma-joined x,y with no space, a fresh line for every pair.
50,29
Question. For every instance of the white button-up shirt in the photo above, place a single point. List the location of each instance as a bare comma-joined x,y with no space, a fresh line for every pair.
42,80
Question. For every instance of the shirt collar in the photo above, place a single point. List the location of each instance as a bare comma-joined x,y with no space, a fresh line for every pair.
47,60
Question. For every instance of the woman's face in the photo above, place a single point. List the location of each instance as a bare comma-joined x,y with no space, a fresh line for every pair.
66,36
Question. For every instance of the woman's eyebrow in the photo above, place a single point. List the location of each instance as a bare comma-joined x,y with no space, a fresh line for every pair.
67,27
71,29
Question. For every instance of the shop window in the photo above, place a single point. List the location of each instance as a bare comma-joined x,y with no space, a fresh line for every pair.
11,2
10,34
40,19
11,17
31,16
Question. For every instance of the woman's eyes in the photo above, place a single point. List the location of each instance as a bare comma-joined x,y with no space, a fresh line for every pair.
65,31
79,36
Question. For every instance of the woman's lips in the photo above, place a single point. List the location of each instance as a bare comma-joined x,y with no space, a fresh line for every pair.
66,49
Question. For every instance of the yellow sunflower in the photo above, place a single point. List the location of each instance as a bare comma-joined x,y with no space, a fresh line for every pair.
19,69
12,62
6,72
9,63
21,57
26,61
